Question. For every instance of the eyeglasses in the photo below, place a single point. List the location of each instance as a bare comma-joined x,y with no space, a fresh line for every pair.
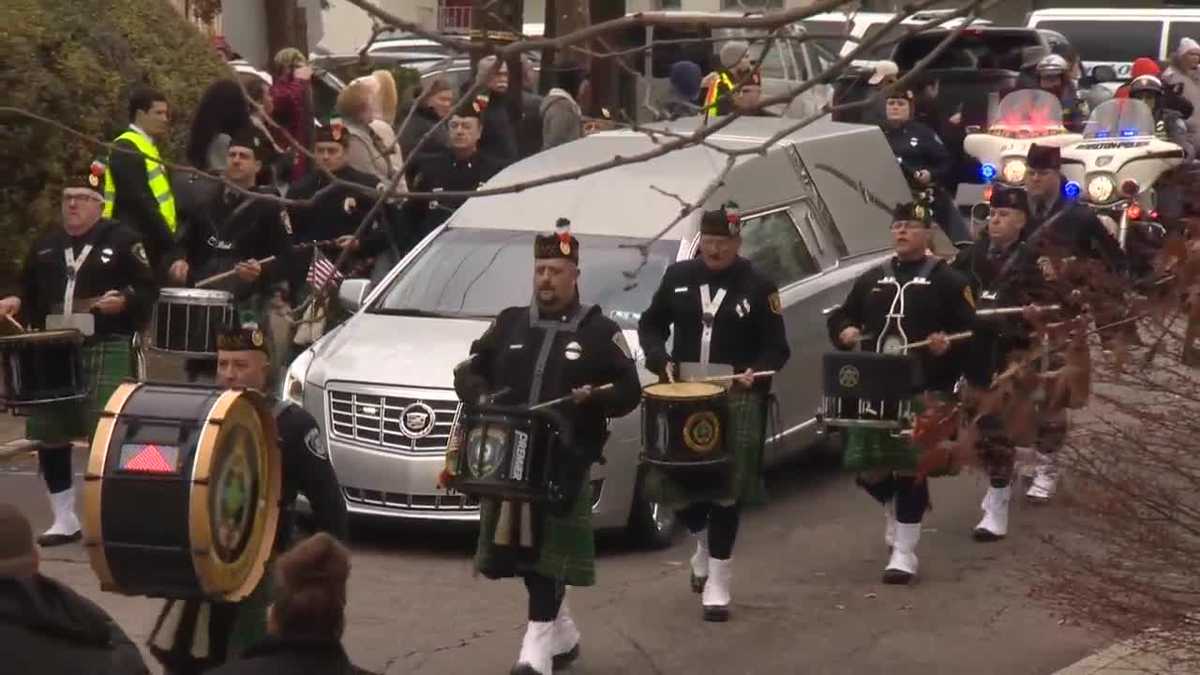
908,225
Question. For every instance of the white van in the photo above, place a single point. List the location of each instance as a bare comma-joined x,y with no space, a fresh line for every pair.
1116,37
860,26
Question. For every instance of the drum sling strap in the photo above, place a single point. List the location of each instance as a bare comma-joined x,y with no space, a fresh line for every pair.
515,523
896,311
709,306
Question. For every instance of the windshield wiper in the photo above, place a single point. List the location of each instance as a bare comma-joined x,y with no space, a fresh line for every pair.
428,313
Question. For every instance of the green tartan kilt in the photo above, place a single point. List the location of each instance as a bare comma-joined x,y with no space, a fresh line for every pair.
106,364
740,480
564,545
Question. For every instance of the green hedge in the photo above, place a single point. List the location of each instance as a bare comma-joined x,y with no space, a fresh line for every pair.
75,62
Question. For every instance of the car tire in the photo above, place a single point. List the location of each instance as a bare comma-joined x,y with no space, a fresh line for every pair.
651,525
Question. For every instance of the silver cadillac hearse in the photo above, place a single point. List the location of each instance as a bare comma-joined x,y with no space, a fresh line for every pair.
815,209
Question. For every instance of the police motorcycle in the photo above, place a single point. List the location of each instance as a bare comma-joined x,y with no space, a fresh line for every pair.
1020,119
1115,167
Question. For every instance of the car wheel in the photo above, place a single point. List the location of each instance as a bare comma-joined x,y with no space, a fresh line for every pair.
651,525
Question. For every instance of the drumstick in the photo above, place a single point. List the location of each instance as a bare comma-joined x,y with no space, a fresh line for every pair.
723,378
15,322
998,311
564,399
949,338
225,275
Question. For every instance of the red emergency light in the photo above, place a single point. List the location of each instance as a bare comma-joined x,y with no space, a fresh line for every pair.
149,458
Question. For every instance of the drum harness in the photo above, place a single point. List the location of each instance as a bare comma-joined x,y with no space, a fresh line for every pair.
887,343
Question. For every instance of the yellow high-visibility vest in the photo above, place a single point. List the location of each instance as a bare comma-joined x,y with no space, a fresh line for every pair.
156,176
723,80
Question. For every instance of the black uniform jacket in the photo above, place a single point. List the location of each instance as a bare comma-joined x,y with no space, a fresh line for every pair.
307,469
135,205
1069,228
510,355
1009,279
336,213
444,171
302,656
117,262
232,228
917,147
748,330
943,304
49,629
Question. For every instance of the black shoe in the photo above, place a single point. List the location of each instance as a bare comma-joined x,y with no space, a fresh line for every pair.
566,658
716,613
49,540
698,583
899,577
984,535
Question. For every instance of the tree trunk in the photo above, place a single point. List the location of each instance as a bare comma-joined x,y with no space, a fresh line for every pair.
604,80
500,22
286,26
562,18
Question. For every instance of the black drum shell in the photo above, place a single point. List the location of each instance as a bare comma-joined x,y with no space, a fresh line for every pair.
189,326
37,368
536,469
664,420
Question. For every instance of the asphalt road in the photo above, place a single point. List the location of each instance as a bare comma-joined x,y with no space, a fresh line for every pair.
807,594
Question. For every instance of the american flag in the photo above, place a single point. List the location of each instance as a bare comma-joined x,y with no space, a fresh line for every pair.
321,272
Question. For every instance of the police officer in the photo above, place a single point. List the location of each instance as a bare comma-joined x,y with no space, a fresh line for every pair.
556,347
1169,124
234,232
725,317
923,158
92,275
1054,76
460,167
1057,225
913,297
1003,272
181,640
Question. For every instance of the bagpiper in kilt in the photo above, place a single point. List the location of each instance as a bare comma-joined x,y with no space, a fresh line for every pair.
726,319
557,347
91,275
914,296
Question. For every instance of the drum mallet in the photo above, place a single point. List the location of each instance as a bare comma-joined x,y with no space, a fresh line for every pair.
15,322
1002,311
225,275
949,338
564,399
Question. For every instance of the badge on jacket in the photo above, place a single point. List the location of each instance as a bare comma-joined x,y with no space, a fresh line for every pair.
573,351
315,444
139,252
349,205
774,304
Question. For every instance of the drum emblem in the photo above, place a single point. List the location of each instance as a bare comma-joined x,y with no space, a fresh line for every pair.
702,431
416,420
233,500
848,377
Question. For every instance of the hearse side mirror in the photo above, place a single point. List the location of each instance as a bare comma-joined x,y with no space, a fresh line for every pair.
352,292
1104,73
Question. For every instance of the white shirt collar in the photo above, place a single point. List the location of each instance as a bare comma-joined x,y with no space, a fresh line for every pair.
138,129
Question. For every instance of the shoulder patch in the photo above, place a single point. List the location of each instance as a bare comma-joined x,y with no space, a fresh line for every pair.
286,219
968,296
316,444
774,303
139,252
619,340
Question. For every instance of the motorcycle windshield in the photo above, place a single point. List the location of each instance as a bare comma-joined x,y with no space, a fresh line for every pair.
1120,118
1027,113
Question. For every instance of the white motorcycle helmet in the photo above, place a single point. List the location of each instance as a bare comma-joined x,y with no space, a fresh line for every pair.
1145,84
1052,65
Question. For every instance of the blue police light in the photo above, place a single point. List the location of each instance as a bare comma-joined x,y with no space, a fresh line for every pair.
1103,134
987,172
1071,190
1126,133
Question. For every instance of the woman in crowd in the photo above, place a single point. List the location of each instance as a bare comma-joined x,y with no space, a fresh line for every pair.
291,102
364,106
222,111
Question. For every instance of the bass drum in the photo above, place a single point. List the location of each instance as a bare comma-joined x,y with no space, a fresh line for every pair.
181,494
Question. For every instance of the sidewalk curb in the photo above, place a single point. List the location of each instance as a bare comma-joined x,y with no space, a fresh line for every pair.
1120,658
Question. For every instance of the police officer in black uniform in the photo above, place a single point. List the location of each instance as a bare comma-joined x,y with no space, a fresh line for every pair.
725,316
93,275
180,635
913,297
1003,272
923,158
233,232
460,167
556,347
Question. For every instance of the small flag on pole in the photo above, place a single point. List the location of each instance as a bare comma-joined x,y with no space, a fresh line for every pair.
321,272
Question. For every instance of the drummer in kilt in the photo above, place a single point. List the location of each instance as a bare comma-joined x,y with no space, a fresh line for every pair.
193,636
555,347
92,275
1003,272
726,319
914,296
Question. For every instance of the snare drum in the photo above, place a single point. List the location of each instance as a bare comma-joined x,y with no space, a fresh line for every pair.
868,390
509,453
42,367
187,320
181,495
684,424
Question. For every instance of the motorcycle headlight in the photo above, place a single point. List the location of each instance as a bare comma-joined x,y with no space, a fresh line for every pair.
485,447
292,387
1101,188
1013,170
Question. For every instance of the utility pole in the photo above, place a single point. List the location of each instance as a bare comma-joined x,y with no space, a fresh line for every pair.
562,18
604,75
287,26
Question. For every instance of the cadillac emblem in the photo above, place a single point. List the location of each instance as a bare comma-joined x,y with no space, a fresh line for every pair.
702,431
416,420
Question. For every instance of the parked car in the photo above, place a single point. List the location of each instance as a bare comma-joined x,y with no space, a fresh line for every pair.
1115,37
858,27
816,209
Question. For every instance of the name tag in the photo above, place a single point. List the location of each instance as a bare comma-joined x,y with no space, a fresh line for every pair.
516,346
681,289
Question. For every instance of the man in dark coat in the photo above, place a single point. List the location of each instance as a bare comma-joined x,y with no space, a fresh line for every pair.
557,347
45,627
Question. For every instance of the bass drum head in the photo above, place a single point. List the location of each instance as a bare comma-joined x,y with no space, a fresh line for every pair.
234,509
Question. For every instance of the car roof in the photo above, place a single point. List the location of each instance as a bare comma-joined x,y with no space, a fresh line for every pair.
1112,14
649,192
